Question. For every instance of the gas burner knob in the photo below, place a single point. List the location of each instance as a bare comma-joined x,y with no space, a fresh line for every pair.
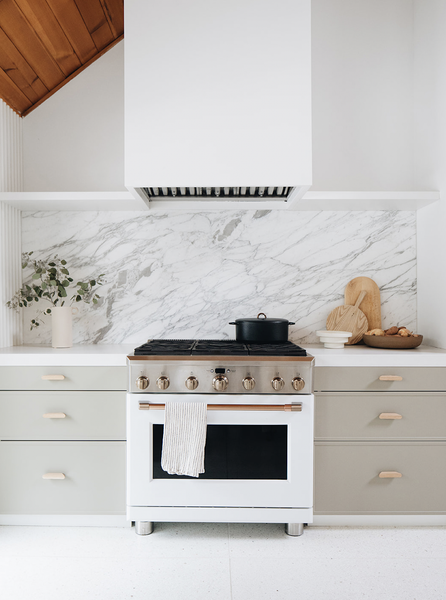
142,382
191,383
248,383
277,383
298,384
163,382
220,383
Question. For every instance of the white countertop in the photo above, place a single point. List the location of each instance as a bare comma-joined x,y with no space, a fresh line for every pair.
102,355
363,356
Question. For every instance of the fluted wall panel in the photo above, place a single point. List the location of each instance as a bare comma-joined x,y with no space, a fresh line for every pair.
11,180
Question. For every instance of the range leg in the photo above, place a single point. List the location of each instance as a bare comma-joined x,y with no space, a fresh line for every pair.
143,527
294,529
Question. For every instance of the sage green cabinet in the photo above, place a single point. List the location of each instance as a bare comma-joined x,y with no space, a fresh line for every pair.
380,444
62,440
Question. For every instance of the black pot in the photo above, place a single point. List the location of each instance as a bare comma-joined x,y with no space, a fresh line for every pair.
261,330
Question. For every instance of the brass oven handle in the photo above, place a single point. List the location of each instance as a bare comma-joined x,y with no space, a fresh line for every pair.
295,407
390,416
390,378
389,475
53,377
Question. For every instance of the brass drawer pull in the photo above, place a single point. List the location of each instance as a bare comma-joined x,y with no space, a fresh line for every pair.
53,476
390,416
53,377
389,474
54,416
390,378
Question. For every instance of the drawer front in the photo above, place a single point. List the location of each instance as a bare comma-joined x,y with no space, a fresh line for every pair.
94,478
367,379
347,478
63,378
376,416
40,416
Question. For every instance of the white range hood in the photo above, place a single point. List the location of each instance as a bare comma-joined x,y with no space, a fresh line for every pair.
218,102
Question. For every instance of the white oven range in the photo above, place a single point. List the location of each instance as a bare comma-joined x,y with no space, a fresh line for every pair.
259,446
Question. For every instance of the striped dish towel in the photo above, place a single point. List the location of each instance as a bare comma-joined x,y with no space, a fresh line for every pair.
184,438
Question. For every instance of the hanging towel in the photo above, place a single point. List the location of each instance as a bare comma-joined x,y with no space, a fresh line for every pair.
184,438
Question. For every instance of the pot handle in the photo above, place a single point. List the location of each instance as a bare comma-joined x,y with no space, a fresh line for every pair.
232,323
291,323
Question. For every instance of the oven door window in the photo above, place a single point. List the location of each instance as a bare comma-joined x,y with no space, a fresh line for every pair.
235,452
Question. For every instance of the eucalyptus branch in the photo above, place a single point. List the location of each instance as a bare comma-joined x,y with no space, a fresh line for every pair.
50,280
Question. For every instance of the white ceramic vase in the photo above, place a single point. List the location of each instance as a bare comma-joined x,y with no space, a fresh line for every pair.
62,323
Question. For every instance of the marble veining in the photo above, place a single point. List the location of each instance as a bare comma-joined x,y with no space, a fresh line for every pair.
186,275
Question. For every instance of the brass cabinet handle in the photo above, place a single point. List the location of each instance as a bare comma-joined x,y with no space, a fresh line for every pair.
53,377
53,476
390,416
389,474
54,416
390,378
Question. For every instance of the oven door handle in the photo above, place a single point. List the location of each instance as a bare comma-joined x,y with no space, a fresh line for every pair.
293,407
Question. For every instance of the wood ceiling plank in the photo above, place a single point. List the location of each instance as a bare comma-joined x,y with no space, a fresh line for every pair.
71,21
114,11
41,18
12,95
96,22
19,71
27,42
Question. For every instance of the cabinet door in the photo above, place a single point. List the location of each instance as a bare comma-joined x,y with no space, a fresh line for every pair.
93,483
63,378
62,416
394,415
347,477
380,379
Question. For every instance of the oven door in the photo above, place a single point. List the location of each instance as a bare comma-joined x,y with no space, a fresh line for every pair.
253,458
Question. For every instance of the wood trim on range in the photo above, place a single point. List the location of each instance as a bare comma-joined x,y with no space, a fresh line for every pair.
242,357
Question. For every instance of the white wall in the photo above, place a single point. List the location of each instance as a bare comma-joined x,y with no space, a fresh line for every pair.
430,165
74,141
362,68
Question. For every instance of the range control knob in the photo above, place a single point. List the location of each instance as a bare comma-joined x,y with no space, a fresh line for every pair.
192,383
220,383
163,382
248,383
142,382
298,384
277,383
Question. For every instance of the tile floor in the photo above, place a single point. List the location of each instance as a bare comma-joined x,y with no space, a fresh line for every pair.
219,561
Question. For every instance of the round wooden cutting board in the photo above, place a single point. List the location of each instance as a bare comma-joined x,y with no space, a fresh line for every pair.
371,305
349,318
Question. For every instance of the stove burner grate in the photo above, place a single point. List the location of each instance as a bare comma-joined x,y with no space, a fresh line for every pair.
216,348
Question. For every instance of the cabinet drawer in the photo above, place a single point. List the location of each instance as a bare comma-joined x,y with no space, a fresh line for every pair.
347,478
367,379
94,477
88,416
354,416
74,378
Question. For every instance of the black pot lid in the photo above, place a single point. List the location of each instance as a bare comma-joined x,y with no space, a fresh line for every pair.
262,318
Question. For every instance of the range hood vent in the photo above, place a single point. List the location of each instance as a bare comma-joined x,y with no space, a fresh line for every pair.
218,91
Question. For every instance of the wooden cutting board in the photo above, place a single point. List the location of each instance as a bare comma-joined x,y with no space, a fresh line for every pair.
349,318
371,305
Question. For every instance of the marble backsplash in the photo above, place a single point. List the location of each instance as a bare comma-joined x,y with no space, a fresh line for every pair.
186,275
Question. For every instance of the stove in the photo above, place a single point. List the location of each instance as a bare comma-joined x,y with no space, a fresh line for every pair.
259,441
221,367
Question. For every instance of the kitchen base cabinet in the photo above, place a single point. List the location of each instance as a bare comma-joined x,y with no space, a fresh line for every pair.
380,443
62,478
62,445
348,481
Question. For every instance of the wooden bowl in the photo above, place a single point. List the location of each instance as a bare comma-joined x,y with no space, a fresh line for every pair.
392,341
